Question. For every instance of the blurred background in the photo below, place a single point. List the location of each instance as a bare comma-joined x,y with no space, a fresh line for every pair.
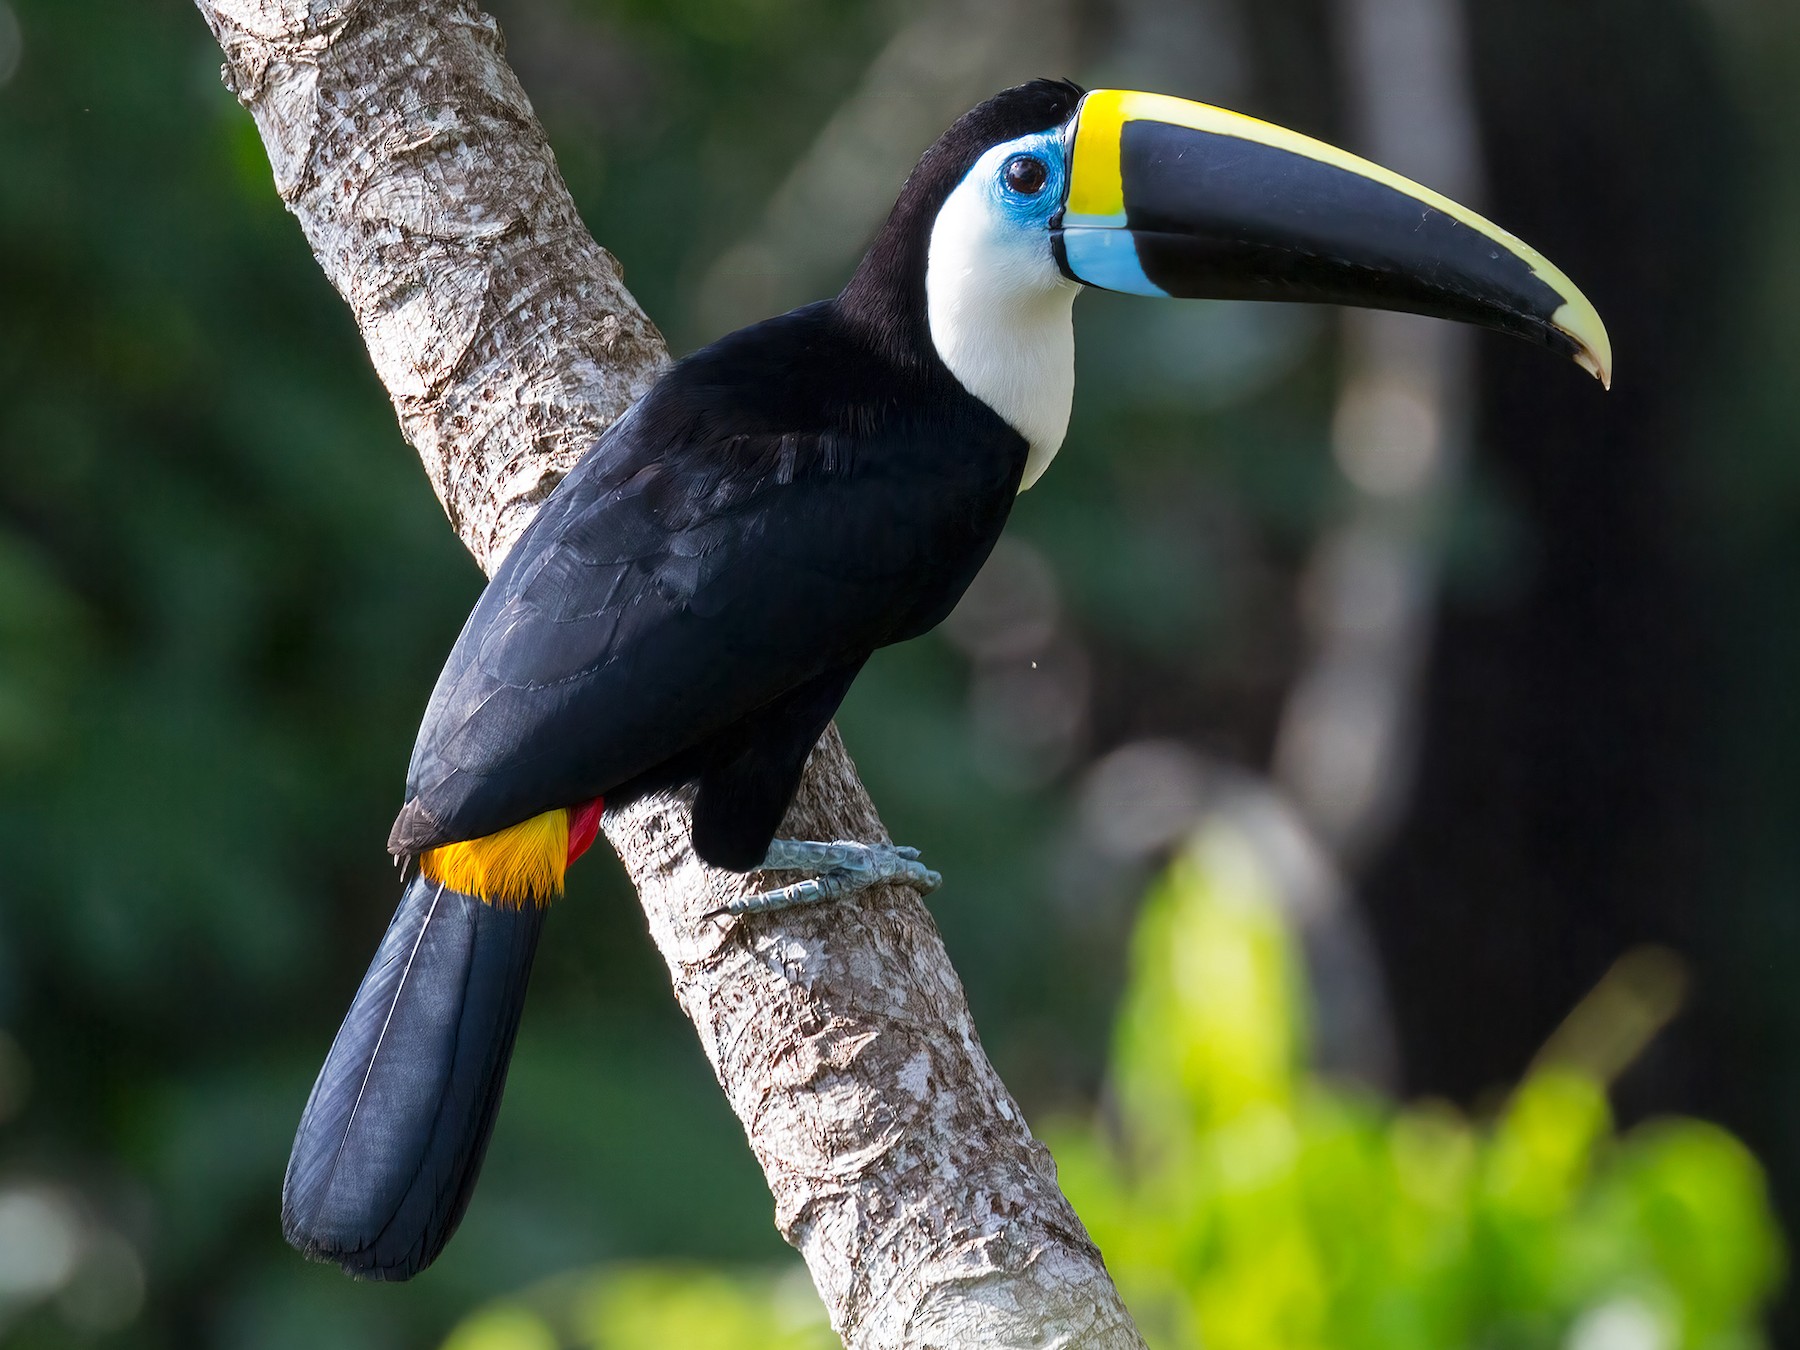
1465,695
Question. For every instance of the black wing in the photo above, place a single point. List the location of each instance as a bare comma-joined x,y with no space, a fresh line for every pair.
687,573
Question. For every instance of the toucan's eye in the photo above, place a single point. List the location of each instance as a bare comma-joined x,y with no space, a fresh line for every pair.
1025,175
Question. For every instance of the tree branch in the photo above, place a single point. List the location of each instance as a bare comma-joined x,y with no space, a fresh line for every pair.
901,1167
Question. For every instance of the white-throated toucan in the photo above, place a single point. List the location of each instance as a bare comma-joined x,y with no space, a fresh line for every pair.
692,602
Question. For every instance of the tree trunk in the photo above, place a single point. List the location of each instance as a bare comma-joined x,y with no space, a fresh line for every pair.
901,1167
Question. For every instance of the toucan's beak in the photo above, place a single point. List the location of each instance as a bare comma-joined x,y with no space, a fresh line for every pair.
1167,197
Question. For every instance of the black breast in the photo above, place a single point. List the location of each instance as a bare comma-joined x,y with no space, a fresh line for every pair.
780,505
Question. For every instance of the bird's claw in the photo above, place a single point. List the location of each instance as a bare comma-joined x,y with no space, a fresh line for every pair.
841,868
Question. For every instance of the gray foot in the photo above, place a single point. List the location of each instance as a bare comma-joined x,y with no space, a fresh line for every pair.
841,868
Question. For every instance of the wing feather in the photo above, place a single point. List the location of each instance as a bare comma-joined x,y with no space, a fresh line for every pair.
680,579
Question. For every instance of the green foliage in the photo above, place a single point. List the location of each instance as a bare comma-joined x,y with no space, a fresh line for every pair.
1246,1203
1243,1196
654,1308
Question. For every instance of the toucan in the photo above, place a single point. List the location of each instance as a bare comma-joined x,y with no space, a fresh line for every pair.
690,605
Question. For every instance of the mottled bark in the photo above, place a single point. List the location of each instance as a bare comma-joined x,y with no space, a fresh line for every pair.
901,1168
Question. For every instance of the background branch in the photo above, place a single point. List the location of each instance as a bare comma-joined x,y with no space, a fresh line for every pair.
901,1167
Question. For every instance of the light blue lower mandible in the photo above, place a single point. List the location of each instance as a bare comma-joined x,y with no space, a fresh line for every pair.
1106,257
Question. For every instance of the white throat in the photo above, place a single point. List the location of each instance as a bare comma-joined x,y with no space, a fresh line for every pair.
1002,320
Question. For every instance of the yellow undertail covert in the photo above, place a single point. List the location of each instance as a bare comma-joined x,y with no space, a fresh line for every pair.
522,864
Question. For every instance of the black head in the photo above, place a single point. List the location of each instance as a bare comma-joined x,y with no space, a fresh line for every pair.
888,289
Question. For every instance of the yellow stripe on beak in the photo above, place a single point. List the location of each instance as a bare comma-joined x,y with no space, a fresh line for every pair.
1097,200
1096,184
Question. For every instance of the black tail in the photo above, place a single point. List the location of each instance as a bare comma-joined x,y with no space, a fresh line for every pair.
398,1121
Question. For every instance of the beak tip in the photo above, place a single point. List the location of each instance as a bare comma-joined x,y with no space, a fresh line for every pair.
1580,322
1594,365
